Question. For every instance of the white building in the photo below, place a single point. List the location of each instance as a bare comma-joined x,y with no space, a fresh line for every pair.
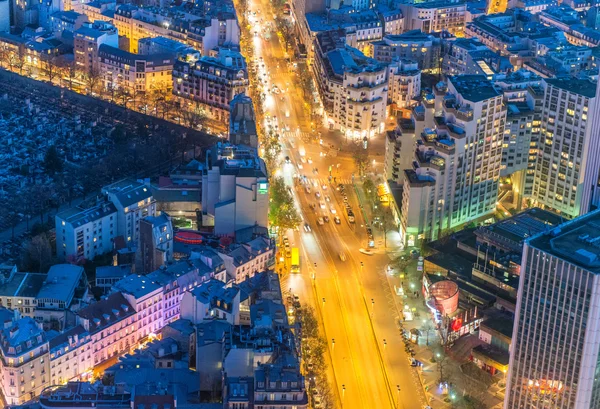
235,189
133,201
146,298
555,351
243,261
111,322
87,40
71,356
213,300
566,172
353,88
86,232
156,241
404,83
457,160
5,15
25,359
435,16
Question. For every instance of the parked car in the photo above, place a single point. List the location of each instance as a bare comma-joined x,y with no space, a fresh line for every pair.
320,221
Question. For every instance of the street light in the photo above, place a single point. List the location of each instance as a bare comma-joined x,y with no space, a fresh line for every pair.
323,302
343,391
384,344
332,343
398,394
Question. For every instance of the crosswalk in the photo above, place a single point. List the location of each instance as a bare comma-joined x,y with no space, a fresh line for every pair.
334,180
296,133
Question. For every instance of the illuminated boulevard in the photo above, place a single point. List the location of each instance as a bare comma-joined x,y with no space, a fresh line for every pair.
352,298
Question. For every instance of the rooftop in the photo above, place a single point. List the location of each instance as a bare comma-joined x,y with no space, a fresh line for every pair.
137,285
23,285
576,241
474,88
121,271
106,312
128,192
578,86
61,282
77,216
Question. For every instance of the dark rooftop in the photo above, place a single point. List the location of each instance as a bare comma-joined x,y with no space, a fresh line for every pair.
583,87
474,88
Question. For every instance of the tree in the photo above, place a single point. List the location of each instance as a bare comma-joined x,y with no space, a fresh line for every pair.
38,256
50,67
92,79
52,161
426,328
282,210
361,158
70,72
194,115
123,96
386,221
16,60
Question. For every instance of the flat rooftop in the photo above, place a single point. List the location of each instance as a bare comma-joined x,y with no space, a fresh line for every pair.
576,241
582,87
474,88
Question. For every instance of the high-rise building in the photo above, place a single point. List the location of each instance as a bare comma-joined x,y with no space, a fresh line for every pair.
87,41
456,170
554,360
568,162
523,96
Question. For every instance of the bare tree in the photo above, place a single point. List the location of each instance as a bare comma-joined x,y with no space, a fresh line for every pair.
194,115
123,96
70,72
50,67
111,91
92,79
16,60
38,256
4,53
361,158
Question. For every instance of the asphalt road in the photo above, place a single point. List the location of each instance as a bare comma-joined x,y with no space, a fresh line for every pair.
370,367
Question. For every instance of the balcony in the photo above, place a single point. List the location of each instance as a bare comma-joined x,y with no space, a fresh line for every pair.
428,160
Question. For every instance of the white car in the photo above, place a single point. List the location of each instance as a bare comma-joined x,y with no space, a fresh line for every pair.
307,227
320,221
318,195
302,159
324,187
322,204
333,211
327,198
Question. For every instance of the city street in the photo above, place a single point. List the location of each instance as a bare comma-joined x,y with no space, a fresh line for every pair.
347,288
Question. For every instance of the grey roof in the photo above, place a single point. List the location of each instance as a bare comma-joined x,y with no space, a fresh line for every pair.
61,282
182,325
77,216
23,285
136,285
121,271
89,32
63,339
106,312
125,57
576,241
211,332
177,194
474,88
214,290
582,87
128,192
16,335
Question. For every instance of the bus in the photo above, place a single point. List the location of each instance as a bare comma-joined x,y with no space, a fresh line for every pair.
295,266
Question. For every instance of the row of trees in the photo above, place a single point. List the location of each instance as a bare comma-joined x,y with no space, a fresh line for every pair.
314,348
158,102
282,211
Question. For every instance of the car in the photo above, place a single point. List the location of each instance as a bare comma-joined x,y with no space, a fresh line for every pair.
333,211
287,159
309,160
307,227
287,114
326,218
324,186
308,189
318,195
337,220
300,166
365,251
315,183
327,198
342,256
320,221
322,204
345,199
302,159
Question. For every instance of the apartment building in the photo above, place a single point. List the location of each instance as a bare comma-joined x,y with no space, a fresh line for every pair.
25,359
146,298
134,72
554,359
235,189
566,172
523,96
133,201
353,88
213,300
71,356
86,232
66,22
414,45
281,383
87,41
456,171
212,81
243,261
156,241
18,291
404,83
111,325
435,16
